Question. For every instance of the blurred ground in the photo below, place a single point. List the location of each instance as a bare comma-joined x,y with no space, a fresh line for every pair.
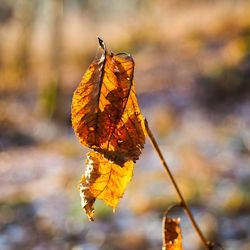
193,84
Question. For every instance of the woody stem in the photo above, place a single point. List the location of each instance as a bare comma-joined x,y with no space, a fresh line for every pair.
181,199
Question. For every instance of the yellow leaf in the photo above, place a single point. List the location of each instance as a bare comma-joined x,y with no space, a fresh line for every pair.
104,180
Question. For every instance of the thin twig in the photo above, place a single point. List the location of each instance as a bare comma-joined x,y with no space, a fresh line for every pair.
183,203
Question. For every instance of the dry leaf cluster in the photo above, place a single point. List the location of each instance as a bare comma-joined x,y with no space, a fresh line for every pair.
106,118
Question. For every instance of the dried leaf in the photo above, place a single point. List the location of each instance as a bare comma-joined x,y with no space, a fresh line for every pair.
105,113
106,118
103,180
172,235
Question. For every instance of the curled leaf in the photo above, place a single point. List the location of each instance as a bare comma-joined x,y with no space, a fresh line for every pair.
103,180
172,239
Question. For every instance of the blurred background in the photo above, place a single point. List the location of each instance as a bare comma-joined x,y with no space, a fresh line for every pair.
193,84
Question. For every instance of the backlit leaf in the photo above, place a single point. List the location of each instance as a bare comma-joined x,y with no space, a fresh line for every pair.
106,118
103,180
105,113
172,235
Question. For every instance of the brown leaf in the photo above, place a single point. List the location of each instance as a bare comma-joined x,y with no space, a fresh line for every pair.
106,118
103,180
172,235
105,113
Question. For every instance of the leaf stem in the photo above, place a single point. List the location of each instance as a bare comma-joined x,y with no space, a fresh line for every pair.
181,199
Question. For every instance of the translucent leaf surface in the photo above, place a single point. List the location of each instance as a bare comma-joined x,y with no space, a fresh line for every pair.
105,113
106,118
103,180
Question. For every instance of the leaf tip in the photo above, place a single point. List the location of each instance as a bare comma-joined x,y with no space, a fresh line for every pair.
101,43
90,216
